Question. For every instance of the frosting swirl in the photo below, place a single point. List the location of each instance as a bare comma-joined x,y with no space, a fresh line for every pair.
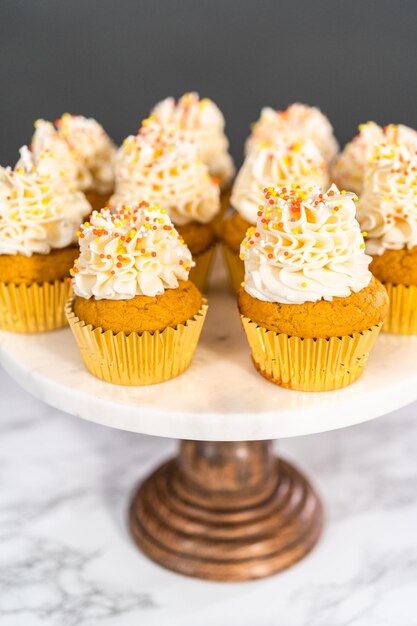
133,251
349,169
306,246
203,120
275,164
92,147
34,216
53,157
161,164
388,206
297,123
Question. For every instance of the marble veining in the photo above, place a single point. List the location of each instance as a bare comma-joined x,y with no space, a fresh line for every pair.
66,558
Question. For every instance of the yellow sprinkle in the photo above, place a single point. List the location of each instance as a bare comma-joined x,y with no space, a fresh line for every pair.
362,246
242,284
364,234
304,285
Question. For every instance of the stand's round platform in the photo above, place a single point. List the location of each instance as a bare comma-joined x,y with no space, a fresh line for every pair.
221,397
225,508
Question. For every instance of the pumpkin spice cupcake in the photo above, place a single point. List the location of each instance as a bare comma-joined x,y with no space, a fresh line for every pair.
387,211
348,171
89,147
53,158
133,301
161,164
310,307
204,122
39,218
297,123
267,164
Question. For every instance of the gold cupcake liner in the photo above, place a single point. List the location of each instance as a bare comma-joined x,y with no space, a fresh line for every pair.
200,273
402,313
235,266
138,358
34,308
309,364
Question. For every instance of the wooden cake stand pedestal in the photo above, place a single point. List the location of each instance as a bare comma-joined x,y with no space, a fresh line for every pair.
226,511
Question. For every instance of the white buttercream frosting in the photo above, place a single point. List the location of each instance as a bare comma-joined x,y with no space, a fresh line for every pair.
297,123
54,158
306,246
387,209
34,216
349,169
204,121
276,164
92,147
161,164
132,251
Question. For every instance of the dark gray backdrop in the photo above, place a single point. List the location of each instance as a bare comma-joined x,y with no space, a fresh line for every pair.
113,59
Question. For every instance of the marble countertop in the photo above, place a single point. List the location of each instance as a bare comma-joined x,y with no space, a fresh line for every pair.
66,558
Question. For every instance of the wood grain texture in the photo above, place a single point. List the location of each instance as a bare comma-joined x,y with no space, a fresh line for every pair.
226,512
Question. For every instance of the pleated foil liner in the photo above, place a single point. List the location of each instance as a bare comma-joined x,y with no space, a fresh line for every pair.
34,308
235,266
402,313
199,274
136,359
309,364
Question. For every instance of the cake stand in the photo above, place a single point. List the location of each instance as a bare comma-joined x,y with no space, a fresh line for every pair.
225,508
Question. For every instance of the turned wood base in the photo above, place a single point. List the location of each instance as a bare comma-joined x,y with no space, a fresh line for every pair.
226,512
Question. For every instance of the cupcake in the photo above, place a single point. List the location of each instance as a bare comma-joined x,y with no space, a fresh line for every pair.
310,307
39,217
204,122
53,158
267,164
161,164
297,123
90,148
387,211
349,169
135,315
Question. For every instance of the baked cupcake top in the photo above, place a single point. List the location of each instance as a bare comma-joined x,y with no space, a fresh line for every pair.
306,246
297,123
89,144
131,251
36,215
161,164
204,121
276,164
387,209
349,169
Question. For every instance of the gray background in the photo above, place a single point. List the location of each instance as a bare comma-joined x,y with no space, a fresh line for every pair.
113,59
